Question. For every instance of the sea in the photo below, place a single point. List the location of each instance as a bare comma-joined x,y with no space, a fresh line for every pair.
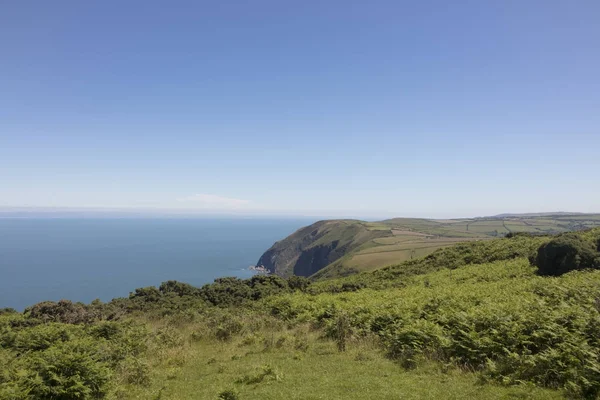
82,259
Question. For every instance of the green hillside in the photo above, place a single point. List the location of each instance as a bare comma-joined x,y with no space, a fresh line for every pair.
312,248
335,248
472,320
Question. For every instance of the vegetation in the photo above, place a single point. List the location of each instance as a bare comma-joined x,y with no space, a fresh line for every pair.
333,249
567,253
475,320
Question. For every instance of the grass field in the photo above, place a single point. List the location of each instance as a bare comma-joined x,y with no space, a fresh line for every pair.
298,363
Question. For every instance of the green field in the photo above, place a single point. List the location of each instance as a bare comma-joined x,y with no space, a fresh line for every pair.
305,366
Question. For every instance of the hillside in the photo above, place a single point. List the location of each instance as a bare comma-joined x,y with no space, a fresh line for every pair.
473,320
312,248
335,248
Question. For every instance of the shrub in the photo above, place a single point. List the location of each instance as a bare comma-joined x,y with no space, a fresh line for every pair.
149,294
122,339
63,311
168,337
566,253
266,285
227,329
179,288
67,371
406,343
226,291
298,283
135,371
42,337
342,331
352,286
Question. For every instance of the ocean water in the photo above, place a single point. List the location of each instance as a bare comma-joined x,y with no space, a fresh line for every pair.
84,259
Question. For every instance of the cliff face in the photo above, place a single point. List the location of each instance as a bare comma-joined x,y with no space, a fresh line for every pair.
312,248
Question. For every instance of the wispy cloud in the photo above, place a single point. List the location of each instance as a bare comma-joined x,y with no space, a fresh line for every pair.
211,201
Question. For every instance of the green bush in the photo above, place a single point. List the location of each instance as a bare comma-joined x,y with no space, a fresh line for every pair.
300,283
66,371
64,311
234,291
168,337
149,293
135,371
226,325
42,337
179,288
566,253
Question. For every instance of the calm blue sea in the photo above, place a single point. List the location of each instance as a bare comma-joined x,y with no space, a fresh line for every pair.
85,259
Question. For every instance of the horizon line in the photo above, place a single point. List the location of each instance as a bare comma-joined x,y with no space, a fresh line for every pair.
140,212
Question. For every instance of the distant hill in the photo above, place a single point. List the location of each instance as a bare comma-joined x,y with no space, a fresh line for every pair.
531,215
334,248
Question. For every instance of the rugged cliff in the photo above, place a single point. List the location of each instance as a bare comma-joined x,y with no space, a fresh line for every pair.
312,248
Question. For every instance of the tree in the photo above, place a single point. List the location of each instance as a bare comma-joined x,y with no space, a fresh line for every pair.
566,253
298,283
179,288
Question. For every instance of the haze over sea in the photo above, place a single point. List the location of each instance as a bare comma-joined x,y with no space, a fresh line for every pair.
82,259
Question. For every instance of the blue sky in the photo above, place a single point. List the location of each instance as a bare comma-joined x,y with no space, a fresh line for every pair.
353,108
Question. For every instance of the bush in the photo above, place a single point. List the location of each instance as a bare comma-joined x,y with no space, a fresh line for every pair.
352,286
168,337
179,288
149,294
226,291
135,371
42,337
566,253
64,311
298,283
342,331
67,371
226,326
235,291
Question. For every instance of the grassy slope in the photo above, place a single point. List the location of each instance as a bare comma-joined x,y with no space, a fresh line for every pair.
410,238
317,372
499,288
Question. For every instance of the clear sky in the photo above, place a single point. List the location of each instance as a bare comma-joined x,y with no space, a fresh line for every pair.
355,108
